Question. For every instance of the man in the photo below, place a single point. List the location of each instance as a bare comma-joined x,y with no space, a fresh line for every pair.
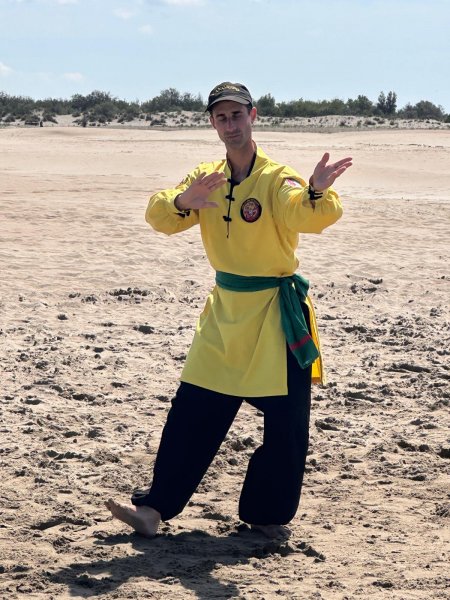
256,338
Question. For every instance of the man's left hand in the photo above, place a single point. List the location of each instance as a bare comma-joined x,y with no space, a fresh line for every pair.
325,174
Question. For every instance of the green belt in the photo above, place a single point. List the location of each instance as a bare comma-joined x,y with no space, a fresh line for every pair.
293,291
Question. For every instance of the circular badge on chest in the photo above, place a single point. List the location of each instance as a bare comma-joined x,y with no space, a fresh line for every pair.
251,210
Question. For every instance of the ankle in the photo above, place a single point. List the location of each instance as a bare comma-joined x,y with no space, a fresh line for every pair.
149,512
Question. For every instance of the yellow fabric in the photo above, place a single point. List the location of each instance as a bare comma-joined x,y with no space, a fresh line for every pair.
239,347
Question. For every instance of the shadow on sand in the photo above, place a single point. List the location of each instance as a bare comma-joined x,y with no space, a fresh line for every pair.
186,558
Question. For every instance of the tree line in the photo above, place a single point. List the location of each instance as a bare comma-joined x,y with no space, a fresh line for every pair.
102,107
386,106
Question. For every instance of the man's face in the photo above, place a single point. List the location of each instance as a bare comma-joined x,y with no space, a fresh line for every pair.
233,123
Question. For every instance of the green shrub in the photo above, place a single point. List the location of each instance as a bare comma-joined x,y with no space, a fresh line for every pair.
50,117
103,107
31,120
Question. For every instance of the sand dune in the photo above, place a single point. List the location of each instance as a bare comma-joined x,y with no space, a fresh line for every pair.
96,315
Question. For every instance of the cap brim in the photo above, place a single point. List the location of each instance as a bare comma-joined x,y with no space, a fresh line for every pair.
232,98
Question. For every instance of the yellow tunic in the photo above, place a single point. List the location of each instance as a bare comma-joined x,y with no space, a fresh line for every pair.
239,347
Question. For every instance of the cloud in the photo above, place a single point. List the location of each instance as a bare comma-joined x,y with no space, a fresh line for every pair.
184,2
172,2
73,76
5,70
146,29
43,1
124,13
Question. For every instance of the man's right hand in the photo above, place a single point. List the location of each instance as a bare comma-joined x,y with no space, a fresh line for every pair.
196,196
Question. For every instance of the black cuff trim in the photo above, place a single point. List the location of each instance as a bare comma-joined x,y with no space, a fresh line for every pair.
313,195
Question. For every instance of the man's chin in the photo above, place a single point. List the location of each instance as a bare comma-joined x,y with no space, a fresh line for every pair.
233,142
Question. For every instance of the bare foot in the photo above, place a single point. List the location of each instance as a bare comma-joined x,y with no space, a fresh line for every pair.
143,519
273,531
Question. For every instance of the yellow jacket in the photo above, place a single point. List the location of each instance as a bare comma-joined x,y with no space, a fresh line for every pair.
239,347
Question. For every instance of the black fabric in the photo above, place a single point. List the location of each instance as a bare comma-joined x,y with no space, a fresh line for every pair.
196,425
272,486
198,422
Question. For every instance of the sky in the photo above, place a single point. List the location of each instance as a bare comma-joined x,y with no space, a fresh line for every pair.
310,49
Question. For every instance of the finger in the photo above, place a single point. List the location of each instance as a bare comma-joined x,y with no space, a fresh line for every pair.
215,183
339,172
343,161
201,177
325,158
216,174
214,177
219,183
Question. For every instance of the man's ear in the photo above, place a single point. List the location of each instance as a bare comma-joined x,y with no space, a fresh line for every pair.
253,114
211,120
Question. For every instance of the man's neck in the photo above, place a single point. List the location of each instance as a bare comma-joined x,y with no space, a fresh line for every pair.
240,161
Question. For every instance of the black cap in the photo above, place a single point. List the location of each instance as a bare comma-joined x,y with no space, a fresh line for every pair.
229,91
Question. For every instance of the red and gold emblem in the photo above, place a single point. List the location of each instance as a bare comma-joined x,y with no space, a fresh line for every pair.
251,210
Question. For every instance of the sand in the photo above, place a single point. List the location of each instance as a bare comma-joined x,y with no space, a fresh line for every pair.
97,312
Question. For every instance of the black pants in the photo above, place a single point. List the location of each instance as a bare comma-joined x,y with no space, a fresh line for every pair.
198,422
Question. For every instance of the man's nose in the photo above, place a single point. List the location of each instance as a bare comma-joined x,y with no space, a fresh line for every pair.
229,125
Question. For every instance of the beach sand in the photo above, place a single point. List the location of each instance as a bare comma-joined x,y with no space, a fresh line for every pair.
97,312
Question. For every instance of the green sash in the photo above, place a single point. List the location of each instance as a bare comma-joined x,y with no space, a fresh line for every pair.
293,291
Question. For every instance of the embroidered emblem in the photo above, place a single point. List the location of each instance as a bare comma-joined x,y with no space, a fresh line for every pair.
251,210
293,183
223,88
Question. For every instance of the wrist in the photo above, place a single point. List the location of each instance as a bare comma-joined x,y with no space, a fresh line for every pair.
179,205
314,187
313,192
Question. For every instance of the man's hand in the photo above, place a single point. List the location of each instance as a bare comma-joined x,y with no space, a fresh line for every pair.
324,175
196,196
